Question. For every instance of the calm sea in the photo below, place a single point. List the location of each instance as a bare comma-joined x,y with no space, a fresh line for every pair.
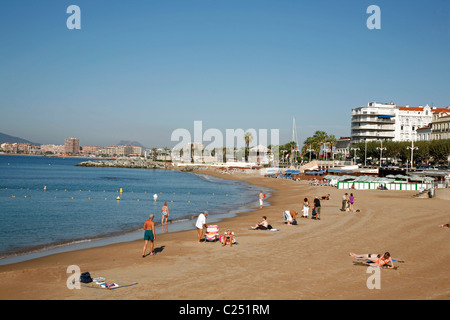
79,204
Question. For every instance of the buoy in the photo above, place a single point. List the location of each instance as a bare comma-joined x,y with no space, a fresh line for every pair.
118,198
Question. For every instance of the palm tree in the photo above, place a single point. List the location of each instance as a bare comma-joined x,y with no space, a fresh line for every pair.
248,137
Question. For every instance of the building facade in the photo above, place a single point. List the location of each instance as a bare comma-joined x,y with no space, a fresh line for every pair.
72,146
440,126
376,121
387,121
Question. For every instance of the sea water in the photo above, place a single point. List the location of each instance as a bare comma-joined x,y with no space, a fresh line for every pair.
49,202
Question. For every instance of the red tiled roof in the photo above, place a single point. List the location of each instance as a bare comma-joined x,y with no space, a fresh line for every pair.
433,110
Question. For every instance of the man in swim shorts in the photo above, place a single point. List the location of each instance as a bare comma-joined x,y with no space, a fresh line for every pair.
149,235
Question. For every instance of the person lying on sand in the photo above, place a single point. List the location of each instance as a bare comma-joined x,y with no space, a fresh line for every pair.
383,262
445,225
365,256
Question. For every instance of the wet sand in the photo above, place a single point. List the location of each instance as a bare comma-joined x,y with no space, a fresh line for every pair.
307,261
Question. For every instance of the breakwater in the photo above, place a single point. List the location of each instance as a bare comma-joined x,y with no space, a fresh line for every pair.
125,163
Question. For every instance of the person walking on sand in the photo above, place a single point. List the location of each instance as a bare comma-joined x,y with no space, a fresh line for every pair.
165,213
261,199
149,235
351,201
200,224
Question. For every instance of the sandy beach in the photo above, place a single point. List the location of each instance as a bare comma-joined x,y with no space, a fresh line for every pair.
308,261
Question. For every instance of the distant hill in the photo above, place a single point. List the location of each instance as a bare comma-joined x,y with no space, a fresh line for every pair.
7,138
131,143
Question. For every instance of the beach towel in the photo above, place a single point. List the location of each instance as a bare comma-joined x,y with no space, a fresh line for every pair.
365,264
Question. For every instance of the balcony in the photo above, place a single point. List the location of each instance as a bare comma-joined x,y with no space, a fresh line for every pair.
373,134
380,127
372,120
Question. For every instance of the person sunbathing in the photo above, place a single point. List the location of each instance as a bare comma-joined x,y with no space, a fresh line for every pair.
445,225
366,256
263,225
383,262
228,238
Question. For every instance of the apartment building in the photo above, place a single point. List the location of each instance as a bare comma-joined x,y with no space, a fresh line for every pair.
72,146
440,126
376,121
387,121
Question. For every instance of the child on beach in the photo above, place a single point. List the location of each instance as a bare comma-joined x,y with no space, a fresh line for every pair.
261,199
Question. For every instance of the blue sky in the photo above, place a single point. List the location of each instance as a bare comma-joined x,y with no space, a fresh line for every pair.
137,70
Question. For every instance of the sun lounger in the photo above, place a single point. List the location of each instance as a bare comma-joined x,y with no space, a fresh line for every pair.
212,233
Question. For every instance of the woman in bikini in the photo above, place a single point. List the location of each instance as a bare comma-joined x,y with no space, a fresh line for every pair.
165,213
383,262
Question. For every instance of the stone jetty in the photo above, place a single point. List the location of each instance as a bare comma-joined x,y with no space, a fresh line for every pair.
125,163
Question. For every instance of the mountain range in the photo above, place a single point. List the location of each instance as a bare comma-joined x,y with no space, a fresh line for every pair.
7,138
11,139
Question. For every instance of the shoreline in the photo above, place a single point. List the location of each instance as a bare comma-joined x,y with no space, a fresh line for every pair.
305,262
182,224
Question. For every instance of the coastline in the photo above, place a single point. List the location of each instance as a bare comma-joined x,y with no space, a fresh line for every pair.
308,261
183,224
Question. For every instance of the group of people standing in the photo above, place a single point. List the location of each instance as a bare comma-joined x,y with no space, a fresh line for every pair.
316,208
348,202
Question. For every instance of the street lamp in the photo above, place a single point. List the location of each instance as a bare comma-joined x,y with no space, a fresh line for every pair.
412,148
354,158
381,151
365,152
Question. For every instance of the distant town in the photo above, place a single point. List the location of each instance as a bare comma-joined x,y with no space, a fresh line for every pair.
371,126
71,147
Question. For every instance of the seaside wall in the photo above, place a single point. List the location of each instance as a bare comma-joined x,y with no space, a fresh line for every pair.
390,186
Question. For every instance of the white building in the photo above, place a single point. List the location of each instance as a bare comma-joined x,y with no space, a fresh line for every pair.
381,121
373,122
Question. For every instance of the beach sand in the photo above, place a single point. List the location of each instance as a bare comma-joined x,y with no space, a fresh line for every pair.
307,261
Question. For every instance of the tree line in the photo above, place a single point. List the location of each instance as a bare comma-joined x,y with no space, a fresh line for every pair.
433,151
